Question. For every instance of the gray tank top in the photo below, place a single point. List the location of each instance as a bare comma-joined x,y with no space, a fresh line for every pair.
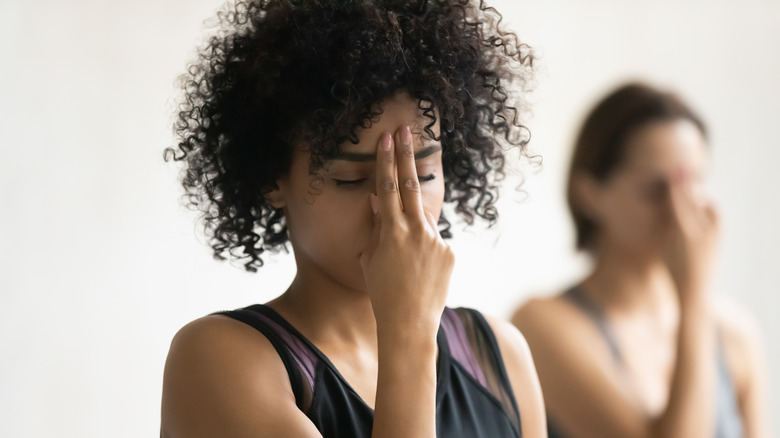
727,416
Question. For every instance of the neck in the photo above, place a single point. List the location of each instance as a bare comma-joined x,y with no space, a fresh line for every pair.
627,281
326,312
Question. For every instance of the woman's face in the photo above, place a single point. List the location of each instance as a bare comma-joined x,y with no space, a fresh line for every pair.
329,217
631,207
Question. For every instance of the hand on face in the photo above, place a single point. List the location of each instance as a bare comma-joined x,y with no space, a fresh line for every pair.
408,265
693,234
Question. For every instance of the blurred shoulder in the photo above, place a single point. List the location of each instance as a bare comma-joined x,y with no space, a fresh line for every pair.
735,322
545,313
741,340
562,336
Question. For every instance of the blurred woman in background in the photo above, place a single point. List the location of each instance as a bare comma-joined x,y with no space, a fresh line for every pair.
637,349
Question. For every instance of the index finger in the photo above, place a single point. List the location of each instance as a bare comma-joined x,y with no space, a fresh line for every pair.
386,176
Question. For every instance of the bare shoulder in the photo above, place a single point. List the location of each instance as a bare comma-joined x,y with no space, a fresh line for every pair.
214,332
513,346
552,317
223,378
740,337
735,323
217,342
743,347
530,312
522,376
561,336
516,355
574,363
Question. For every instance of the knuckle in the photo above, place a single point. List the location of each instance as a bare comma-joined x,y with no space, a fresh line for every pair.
387,185
412,184
396,232
407,151
387,157
418,228
450,255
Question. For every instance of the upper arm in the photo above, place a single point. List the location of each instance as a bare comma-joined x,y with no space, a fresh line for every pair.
583,395
744,351
222,378
522,376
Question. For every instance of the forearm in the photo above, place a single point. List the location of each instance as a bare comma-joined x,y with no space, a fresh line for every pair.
690,411
406,385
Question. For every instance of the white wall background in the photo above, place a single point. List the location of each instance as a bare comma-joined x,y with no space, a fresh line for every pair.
99,264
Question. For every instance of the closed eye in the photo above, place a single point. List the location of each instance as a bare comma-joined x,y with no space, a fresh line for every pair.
352,182
357,182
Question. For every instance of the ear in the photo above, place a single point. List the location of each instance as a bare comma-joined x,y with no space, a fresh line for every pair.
276,197
587,194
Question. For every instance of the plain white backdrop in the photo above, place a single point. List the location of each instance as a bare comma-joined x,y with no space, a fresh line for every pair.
100,264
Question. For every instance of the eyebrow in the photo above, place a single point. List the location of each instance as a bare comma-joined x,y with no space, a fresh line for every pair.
362,158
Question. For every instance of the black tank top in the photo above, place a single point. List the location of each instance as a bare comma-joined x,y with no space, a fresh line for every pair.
728,421
473,396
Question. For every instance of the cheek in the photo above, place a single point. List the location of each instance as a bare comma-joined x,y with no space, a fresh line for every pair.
644,224
332,230
328,216
630,215
433,197
344,214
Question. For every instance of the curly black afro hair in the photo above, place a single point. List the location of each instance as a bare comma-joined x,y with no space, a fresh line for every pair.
278,73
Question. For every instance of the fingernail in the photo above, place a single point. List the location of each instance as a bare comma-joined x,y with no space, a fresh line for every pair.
406,135
387,142
372,199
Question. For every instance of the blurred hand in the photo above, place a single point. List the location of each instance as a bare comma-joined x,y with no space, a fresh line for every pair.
692,238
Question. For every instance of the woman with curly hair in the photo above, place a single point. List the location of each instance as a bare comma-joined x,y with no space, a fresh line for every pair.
638,348
339,128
